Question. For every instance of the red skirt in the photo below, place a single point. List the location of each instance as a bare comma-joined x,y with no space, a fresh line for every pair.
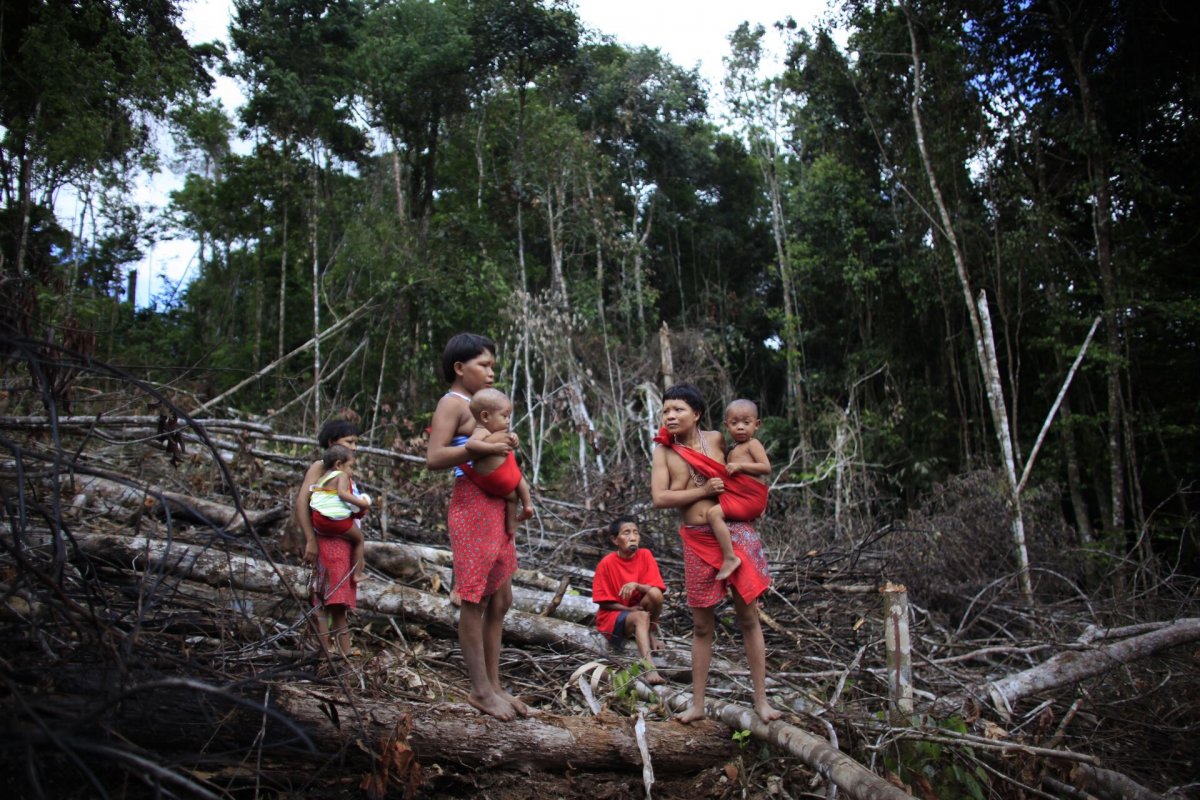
485,555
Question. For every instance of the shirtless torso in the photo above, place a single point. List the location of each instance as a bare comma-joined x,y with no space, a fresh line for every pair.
682,477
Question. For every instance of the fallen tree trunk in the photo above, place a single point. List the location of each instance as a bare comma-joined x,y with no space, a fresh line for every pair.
1073,666
832,764
459,734
89,488
221,569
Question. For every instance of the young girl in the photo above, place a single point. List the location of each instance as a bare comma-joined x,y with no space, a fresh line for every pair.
336,504
333,591
485,557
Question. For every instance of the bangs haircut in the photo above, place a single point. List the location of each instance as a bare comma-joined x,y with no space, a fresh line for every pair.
614,527
336,429
463,347
688,394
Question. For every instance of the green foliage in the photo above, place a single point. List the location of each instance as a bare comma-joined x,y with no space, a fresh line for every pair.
442,157
950,769
624,682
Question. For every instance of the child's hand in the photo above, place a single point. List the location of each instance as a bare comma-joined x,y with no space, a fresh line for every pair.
733,469
513,440
714,486
627,591
366,498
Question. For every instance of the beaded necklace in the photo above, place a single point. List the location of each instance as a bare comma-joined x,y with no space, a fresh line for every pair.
697,478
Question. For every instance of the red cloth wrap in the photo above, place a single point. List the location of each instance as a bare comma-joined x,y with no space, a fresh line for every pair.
485,556
332,580
500,482
702,558
612,573
324,526
744,497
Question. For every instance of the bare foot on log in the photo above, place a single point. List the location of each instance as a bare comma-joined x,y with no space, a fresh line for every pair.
494,705
727,567
517,704
691,715
766,712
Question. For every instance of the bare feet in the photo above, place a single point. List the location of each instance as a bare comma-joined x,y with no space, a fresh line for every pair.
691,715
727,567
517,704
653,678
493,704
766,712
655,643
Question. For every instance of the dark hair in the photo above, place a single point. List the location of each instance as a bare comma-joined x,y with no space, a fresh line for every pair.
688,394
614,527
463,347
336,429
337,453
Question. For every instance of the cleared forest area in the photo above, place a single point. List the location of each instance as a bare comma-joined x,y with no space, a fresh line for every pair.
154,622
948,248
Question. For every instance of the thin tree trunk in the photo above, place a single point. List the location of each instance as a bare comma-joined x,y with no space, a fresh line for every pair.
1098,178
313,221
283,270
983,342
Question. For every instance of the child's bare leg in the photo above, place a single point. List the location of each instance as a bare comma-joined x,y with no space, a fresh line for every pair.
512,511
493,629
652,604
339,628
358,557
730,561
471,638
703,621
752,640
320,624
639,621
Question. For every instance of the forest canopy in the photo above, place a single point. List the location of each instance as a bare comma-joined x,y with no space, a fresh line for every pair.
419,168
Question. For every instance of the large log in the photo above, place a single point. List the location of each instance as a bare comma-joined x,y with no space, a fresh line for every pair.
492,742
1073,666
832,764
409,562
89,488
221,569
459,734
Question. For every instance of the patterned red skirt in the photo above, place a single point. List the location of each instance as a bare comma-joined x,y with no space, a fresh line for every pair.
485,555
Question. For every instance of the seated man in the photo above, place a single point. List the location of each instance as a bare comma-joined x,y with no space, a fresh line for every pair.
629,590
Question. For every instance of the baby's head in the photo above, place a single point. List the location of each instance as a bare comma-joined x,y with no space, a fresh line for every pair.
741,420
492,409
339,457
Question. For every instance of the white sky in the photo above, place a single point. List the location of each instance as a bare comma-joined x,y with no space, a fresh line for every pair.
693,33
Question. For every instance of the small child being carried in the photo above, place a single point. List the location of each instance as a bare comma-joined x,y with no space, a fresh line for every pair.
747,457
336,504
498,475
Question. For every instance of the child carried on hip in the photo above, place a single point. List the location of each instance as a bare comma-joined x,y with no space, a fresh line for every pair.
337,504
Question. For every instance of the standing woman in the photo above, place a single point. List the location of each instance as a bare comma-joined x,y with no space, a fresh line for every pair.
485,557
333,589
